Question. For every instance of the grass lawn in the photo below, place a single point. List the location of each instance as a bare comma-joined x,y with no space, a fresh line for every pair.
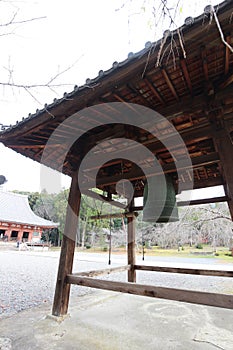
207,251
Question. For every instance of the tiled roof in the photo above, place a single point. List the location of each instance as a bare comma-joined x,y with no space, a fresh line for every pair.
116,66
15,208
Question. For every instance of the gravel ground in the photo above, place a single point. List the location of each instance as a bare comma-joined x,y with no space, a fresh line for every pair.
28,278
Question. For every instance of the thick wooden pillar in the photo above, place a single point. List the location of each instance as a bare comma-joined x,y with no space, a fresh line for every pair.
62,292
131,247
224,147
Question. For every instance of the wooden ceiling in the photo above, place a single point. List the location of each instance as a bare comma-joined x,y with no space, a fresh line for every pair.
193,90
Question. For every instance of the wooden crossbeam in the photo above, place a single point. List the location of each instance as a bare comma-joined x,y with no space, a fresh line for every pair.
98,196
167,168
95,273
203,201
109,216
193,297
189,271
194,202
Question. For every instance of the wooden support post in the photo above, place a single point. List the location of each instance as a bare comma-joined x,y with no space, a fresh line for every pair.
62,292
131,248
224,147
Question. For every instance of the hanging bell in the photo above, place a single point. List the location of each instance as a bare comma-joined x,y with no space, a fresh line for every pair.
159,200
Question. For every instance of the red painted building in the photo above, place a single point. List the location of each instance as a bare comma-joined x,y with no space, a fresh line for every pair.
17,220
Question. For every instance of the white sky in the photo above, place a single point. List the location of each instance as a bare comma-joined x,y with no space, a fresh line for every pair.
91,33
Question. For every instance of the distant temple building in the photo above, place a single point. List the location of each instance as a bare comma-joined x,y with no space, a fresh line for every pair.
17,220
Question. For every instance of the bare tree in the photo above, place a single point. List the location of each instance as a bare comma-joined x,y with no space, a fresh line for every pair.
13,19
164,17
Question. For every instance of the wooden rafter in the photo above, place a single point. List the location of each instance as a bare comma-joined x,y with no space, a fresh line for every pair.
139,94
169,83
227,55
199,133
186,74
154,90
227,81
204,63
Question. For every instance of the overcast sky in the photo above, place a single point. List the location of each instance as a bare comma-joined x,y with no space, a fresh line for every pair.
92,34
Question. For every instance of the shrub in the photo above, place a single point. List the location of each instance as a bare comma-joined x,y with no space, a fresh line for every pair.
199,246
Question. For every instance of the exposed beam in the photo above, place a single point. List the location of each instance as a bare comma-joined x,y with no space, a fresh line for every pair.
138,94
33,146
227,81
224,146
186,74
95,273
200,272
195,104
203,201
227,55
194,202
204,63
154,90
137,173
97,196
169,83
111,216
192,135
210,182
188,296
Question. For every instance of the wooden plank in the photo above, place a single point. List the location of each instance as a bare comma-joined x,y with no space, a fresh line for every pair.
189,271
193,297
62,292
131,251
95,273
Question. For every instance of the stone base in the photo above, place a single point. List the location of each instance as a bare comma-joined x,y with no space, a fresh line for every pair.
57,319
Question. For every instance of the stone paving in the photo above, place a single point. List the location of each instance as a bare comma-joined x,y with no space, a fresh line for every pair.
28,278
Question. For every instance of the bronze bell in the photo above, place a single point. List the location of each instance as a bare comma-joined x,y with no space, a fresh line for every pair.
159,200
